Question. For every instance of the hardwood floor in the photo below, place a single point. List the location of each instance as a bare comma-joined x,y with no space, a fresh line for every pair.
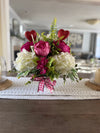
49,116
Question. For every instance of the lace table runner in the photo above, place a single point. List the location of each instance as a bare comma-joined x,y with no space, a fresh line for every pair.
69,90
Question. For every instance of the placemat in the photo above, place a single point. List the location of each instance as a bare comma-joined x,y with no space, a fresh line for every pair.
5,84
92,85
69,90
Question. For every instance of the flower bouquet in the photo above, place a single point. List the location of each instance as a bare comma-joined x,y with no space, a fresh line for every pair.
46,57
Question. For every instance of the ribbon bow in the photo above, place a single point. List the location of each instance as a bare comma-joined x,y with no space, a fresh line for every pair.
45,81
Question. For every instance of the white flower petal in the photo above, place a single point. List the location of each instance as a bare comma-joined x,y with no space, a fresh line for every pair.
64,62
24,61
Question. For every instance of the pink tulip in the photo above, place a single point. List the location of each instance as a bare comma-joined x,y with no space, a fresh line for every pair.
64,34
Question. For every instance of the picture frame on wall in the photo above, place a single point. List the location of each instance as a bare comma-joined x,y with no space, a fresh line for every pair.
76,40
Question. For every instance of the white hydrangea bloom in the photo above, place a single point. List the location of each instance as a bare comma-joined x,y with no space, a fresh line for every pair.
64,62
24,61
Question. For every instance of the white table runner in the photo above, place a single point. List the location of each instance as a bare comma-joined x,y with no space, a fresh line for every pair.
69,90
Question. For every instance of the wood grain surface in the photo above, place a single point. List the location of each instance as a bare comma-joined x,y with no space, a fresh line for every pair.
49,116
92,86
6,84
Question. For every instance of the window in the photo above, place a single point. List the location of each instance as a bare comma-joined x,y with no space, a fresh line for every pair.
97,52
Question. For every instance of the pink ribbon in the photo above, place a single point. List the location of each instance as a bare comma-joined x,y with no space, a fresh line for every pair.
45,81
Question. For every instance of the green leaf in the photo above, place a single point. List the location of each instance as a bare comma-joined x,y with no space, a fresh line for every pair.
43,36
61,38
37,34
52,73
80,78
73,75
50,61
36,59
64,78
25,73
34,71
70,44
20,74
29,82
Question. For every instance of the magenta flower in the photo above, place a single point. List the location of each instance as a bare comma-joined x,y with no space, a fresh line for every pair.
62,46
42,48
27,46
42,65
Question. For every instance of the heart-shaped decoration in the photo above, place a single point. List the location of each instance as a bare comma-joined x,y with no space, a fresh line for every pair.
63,34
30,35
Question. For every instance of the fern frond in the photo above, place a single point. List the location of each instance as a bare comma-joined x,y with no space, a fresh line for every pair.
53,30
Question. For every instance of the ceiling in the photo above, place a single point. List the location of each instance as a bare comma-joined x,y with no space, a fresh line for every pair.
70,14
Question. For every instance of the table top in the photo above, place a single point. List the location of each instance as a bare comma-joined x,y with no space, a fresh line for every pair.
46,116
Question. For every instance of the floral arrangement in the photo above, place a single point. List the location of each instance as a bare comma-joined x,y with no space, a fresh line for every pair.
46,57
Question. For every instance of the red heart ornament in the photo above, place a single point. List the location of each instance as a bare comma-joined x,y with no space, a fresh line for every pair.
29,34
62,33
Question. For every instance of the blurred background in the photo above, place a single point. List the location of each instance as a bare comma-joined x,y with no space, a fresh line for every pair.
80,17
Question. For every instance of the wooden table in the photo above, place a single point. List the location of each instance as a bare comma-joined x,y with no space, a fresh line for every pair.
44,116
49,116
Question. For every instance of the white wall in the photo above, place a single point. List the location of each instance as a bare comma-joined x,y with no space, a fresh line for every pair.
14,15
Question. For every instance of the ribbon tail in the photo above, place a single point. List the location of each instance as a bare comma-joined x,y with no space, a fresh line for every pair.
41,86
50,87
54,82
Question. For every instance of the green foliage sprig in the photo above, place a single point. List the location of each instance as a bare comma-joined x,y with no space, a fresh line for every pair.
53,30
